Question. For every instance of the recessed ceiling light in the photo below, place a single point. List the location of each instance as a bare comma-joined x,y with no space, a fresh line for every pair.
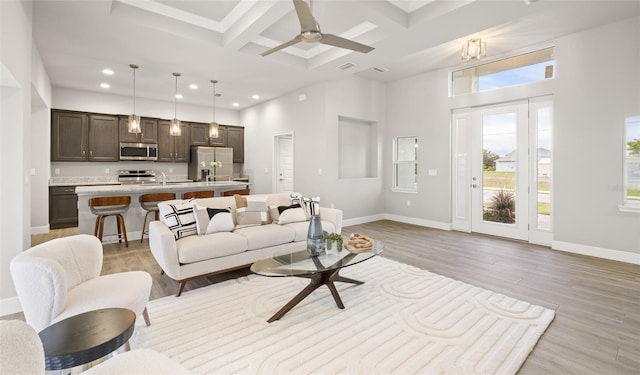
193,86
107,72
236,104
105,85
256,96
178,96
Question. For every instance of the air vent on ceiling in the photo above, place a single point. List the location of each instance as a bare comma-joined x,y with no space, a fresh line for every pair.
380,69
345,66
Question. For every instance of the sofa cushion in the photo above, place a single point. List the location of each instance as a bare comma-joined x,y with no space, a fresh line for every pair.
302,228
179,217
196,248
267,235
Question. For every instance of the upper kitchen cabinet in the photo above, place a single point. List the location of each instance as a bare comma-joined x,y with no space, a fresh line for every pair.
235,140
172,148
103,138
69,136
79,136
149,132
199,135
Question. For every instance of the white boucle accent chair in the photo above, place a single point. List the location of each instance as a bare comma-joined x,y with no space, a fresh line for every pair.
61,278
23,354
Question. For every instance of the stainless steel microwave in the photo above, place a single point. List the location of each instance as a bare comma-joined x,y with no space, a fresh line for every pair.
138,151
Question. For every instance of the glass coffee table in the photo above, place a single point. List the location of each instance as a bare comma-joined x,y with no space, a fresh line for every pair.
321,270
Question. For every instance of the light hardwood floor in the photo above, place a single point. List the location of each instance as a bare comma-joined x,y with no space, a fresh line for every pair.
597,302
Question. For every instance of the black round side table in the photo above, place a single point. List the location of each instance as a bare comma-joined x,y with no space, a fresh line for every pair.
86,337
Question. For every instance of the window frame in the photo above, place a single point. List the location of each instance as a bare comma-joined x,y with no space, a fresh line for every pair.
627,205
397,163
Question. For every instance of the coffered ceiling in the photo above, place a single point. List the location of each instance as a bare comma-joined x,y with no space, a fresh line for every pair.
223,39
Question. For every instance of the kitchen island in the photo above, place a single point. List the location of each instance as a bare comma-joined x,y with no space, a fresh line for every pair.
134,217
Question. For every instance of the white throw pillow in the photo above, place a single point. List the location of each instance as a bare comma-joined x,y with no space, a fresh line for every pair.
212,220
179,217
288,214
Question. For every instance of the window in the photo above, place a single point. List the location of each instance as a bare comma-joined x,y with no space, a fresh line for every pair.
405,164
632,164
512,71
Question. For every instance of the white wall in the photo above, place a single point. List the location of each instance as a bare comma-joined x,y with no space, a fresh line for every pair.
597,86
41,97
314,123
419,106
15,133
78,100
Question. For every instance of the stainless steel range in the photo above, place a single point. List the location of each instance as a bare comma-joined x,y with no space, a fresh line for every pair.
128,176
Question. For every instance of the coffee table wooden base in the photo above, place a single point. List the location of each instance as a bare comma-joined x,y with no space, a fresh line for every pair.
317,280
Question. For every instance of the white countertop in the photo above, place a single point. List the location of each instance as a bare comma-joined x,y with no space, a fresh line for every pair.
169,186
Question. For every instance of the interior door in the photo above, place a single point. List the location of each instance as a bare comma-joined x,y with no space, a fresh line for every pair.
284,162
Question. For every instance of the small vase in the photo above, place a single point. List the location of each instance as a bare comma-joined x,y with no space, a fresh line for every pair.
315,237
333,249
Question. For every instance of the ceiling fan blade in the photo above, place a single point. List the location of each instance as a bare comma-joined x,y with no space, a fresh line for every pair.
337,41
307,21
293,41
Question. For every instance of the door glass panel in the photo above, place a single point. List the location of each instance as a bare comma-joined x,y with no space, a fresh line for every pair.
543,167
499,167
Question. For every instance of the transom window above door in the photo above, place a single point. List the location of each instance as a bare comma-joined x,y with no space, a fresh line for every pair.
513,71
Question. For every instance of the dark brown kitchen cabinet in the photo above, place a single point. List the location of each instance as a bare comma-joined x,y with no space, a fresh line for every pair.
69,136
221,141
172,148
199,135
77,136
235,140
149,132
103,138
63,207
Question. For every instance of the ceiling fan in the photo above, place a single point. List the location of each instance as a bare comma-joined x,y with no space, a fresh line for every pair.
310,33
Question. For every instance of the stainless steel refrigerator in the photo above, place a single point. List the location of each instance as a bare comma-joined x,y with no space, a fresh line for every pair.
214,163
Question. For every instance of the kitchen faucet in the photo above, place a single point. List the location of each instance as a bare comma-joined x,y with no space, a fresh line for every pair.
164,178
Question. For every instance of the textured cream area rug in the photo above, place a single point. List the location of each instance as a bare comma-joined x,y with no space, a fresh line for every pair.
402,320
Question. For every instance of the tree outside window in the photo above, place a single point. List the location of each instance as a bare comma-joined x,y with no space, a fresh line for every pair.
405,164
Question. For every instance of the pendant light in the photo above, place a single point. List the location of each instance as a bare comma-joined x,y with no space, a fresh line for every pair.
175,129
214,128
134,120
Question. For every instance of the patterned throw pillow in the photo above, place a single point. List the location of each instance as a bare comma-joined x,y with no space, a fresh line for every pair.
212,220
250,211
179,217
288,214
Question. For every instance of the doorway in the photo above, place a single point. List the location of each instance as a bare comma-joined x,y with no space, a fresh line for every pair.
502,170
283,160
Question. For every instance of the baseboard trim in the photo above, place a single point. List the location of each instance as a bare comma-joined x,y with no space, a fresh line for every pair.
10,306
598,252
40,230
420,222
398,218
362,220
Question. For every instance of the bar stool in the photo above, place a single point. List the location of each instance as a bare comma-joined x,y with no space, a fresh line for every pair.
149,203
197,194
104,207
231,193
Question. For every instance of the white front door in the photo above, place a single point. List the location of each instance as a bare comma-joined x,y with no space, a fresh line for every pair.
497,180
499,170
284,162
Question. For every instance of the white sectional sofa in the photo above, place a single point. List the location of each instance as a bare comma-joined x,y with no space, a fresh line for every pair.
196,256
